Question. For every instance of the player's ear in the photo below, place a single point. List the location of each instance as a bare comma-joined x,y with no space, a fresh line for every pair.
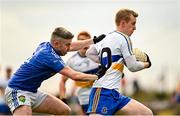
55,43
123,22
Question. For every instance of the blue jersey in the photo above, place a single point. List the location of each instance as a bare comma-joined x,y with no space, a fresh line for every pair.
43,64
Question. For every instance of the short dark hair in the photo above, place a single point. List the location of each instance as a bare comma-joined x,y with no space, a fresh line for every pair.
62,33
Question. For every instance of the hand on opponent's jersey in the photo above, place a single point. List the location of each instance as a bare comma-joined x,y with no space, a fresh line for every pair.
101,71
99,38
105,62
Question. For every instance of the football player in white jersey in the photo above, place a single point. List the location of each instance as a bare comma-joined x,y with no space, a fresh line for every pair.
81,63
105,98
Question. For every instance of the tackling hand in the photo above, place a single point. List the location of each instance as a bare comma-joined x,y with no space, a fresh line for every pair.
106,63
102,70
99,38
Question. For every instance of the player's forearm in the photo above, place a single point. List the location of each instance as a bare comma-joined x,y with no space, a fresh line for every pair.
62,87
62,92
134,65
80,44
84,43
75,75
84,77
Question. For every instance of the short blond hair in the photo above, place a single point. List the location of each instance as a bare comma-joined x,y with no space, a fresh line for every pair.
124,14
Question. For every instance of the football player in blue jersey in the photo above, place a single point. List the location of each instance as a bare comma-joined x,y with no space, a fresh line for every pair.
22,94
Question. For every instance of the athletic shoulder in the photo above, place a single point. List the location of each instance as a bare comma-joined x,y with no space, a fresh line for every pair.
45,49
115,37
119,35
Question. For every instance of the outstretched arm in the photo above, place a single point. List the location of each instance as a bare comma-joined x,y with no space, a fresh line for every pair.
80,44
77,76
84,43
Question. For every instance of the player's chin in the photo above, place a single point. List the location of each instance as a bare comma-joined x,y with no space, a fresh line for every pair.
131,33
64,53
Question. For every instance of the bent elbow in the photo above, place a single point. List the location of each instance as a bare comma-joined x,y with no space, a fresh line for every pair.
132,69
135,67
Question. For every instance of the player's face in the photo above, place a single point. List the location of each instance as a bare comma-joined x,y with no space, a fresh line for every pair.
63,46
83,50
130,26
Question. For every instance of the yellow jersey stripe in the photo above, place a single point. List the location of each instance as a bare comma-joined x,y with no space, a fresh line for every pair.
117,66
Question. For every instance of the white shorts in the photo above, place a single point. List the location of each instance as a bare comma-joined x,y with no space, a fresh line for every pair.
83,95
15,98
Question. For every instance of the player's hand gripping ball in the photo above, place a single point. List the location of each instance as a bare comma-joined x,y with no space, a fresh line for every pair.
140,55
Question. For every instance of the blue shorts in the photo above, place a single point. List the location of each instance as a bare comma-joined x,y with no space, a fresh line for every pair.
85,107
4,109
106,101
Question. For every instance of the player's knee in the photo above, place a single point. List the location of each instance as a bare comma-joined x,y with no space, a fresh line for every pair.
67,111
22,110
148,112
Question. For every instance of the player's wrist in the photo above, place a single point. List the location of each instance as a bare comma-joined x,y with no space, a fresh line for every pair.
100,73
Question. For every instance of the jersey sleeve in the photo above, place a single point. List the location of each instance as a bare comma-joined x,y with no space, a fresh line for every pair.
126,47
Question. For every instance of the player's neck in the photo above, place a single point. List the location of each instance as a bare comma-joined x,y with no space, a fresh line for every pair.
81,54
122,32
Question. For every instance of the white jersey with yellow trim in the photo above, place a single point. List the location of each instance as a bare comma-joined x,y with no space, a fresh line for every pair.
82,64
121,47
85,65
